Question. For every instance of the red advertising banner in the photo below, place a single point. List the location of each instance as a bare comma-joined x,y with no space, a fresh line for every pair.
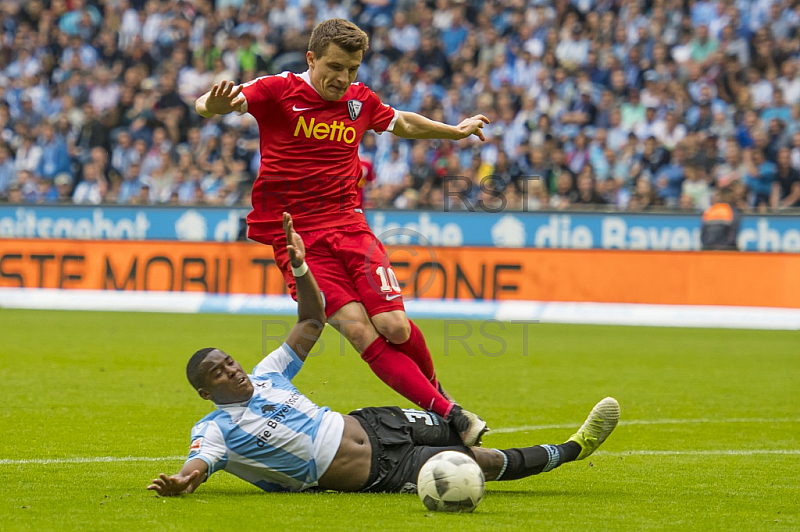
658,277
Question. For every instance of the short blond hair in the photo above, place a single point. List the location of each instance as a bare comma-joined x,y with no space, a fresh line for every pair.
340,32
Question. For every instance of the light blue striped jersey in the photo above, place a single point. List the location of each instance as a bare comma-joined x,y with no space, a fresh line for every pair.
278,440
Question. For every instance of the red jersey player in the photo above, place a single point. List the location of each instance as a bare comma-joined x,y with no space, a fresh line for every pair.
310,126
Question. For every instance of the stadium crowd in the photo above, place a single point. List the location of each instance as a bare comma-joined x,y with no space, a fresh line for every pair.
622,104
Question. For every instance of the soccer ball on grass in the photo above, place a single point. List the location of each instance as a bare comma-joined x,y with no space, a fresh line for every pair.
450,482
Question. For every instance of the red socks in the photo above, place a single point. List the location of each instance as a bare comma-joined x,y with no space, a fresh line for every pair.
403,374
415,349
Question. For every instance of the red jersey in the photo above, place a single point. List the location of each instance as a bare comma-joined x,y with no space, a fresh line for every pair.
309,152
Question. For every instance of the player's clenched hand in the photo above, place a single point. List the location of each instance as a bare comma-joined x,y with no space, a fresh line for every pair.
224,98
174,485
294,244
472,126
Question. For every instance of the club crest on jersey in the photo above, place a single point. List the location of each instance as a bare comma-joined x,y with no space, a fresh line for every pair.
354,108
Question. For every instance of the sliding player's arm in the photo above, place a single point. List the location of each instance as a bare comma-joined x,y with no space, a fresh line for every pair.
310,307
192,474
414,126
223,98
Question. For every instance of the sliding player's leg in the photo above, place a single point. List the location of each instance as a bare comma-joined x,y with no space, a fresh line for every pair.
517,463
513,464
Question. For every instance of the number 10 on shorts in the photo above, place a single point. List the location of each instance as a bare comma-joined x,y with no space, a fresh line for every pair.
389,281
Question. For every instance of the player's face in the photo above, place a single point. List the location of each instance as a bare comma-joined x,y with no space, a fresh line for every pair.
334,71
225,380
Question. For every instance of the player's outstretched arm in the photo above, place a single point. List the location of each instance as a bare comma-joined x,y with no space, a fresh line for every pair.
413,126
223,98
310,307
192,474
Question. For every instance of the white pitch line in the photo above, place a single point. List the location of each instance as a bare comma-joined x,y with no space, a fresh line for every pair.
505,430
636,452
91,460
719,452
528,428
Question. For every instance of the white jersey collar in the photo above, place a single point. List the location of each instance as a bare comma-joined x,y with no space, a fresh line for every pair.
233,407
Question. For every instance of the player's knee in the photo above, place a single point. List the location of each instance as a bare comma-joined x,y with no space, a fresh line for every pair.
360,335
394,328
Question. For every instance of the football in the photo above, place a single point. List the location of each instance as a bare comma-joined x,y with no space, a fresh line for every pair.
450,482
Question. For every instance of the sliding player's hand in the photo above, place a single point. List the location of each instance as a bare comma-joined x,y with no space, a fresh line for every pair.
174,485
224,98
294,244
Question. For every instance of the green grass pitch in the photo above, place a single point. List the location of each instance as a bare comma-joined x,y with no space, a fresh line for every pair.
721,407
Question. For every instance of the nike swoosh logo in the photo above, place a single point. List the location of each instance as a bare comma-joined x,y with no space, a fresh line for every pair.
389,298
295,108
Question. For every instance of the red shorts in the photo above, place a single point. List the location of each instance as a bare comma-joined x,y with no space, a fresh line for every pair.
349,264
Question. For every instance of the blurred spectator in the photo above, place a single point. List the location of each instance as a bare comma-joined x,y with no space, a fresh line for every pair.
703,151
391,176
721,223
7,171
587,193
669,178
105,94
695,192
28,154
82,20
213,184
650,160
143,197
63,188
402,35
669,132
786,187
633,110
88,190
92,133
644,197
55,157
420,171
44,191
732,168
760,175
565,194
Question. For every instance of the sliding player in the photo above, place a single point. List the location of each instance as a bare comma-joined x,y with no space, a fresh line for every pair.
267,433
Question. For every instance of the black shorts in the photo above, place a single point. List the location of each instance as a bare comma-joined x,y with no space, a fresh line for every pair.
403,439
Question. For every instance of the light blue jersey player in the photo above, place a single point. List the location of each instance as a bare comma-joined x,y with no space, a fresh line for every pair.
278,439
267,433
